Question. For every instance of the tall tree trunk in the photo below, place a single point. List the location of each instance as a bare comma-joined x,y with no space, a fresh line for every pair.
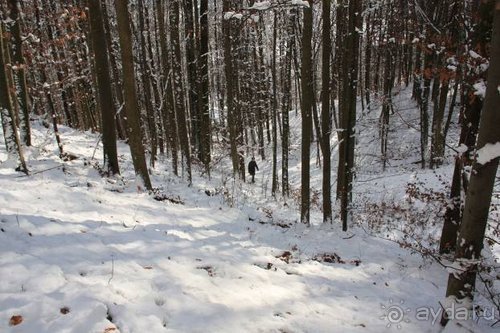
349,110
116,82
470,114
287,105
146,83
203,91
19,73
306,111
424,107
417,77
368,59
477,203
167,110
340,40
191,36
326,127
229,73
130,96
437,139
108,111
274,185
387,103
178,91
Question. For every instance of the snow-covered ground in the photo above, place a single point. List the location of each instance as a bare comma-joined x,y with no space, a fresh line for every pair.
81,253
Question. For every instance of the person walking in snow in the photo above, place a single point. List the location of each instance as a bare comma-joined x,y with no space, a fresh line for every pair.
251,168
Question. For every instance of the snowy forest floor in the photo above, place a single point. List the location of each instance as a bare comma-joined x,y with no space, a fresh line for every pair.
81,253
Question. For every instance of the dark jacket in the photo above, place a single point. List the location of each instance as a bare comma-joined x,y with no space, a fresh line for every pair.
252,166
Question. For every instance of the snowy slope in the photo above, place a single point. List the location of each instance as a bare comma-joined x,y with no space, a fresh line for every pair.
82,254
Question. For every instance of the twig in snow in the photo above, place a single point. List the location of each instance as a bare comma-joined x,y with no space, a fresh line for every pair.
349,237
112,269
41,171
96,145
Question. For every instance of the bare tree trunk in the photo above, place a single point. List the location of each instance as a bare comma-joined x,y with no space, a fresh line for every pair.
191,35
326,127
108,111
368,59
306,111
287,105
203,94
116,82
437,139
424,107
477,203
167,110
274,186
341,26
130,96
470,114
19,72
387,103
146,83
229,73
349,113
178,91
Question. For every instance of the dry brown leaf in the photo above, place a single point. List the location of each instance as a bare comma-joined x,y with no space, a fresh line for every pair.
15,320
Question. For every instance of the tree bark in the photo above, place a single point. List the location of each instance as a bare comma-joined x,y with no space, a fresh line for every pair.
167,110
424,107
306,112
477,203
19,72
274,185
130,96
326,127
191,35
178,91
287,105
349,83
203,102
470,114
108,111
146,83
229,73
